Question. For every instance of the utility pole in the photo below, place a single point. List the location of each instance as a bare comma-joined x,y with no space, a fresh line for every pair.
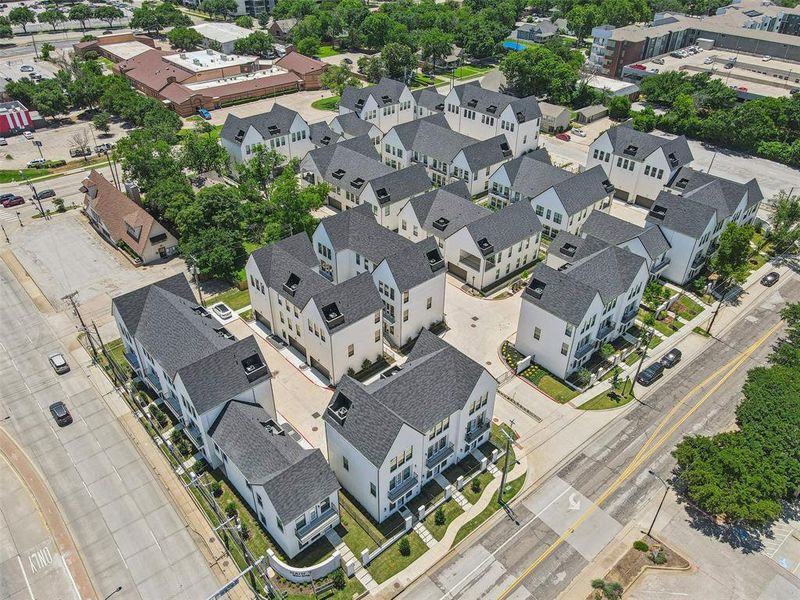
35,195
71,299
505,461
716,310
196,273
19,218
660,504
641,360
8,241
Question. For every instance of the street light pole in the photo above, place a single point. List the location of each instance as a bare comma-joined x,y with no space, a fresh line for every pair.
505,462
660,504
641,360
8,241
119,589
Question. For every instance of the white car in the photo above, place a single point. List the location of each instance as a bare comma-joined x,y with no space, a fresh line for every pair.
36,163
766,58
26,69
222,311
578,132
3,141
708,61
28,135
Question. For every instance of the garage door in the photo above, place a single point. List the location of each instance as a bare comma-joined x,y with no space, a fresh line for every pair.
262,319
334,203
646,202
620,194
318,366
459,272
297,345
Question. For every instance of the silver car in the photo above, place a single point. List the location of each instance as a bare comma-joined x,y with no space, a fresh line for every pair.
58,362
222,311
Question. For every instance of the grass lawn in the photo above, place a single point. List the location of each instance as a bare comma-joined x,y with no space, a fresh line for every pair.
215,129
468,71
608,399
352,588
632,358
540,377
700,331
667,330
512,489
686,308
11,175
331,103
391,561
485,478
234,298
359,531
498,440
756,262
327,51
451,510
421,80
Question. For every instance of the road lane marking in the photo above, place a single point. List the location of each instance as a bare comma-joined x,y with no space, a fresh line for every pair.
25,576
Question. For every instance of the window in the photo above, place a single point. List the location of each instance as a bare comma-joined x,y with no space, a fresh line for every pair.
564,349
549,212
345,464
278,521
539,210
429,303
386,211
568,331
373,490
557,218
403,225
378,334
405,317
351,350
537,333
259,501
405,296
378,317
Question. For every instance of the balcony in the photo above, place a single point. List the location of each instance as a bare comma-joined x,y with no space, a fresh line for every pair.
313,528
657,268
439,456
698,260
152,380
193,433
133,361
605,329
476,431
388,316
584,350
471,261
172,402
629,314
400,490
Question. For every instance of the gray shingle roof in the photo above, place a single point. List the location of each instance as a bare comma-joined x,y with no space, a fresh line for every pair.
683,215
353,159
167,320
433,137
350,125
614,230
355,299
418,395
429,98
486,153
451,203
506,227
294,478
561,295
401,184
571,248
723,194
473,96
627,141
530,176
279,118
215,379
321,134
610,271
583,189
385,87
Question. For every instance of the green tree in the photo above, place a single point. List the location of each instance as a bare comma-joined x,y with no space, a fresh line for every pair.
338,77
145,17
49,99
787,352
310,26
582,18
260,170
81,13
46,49
297,9
645,120
5,28
308,46
404,546
398,61
730,261
22,16
263,19
619,107
350,14
201,152
220,8
109,14
289,205
258,43
539,71
376,30
53,16
435,45
245,21
785,221
184,38
372,68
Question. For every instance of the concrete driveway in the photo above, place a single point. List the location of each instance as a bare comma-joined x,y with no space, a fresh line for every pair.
300,101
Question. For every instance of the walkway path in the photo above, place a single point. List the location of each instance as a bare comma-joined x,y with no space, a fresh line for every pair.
423,532
347,555
460,499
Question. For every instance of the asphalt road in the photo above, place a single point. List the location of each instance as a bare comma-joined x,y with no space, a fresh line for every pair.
124,526
553,533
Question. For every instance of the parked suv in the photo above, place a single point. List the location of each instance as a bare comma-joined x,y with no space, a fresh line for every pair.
42,194
61,414
651,374
671,358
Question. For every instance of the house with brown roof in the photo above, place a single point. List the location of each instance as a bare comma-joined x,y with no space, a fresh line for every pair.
306,68
124,223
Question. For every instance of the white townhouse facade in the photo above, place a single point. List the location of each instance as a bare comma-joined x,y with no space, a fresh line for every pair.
287,484
562,200
349,125
389,193
446,154
409,277
387,439
638,164
385,104
566,314
334,327
280,129
428,102
483,114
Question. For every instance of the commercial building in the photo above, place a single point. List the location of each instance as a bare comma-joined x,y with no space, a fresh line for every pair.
224,34
15,118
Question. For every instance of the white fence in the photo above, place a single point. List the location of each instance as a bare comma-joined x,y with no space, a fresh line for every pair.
307,574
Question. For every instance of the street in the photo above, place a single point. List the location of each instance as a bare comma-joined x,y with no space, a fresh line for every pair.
553,533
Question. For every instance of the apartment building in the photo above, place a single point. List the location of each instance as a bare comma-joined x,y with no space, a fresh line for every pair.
280,129
482,114
409,276
389,193
349,125
566,314
385,104
387,439
428,102
561,199
333,327
446,154
638,164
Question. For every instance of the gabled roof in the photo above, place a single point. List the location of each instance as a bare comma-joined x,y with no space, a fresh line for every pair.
294,478
611,271
417,395
449,208
273,123
552,110
348,164
386,92
355,299
167,320
506,227
638,145
571,248
215,379
433,137
401,184
682,215
485,153
321,134
300,64
351,125
583,189
471,95
616,231
531,177
715,191
429,98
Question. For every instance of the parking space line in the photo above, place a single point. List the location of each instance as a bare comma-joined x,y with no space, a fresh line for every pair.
25,576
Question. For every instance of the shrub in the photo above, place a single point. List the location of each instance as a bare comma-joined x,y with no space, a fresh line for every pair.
658,557
244,531
216,489
59,204
338,579
366,364
475,486
641,546
583,376
404,546
606,350
438,516
351,371
230,509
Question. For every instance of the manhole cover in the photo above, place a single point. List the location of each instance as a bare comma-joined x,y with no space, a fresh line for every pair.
211,540
473,325
397,585
474,318
315,429
225,563
315,415
488,362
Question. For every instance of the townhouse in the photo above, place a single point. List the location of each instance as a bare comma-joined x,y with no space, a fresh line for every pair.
389,193
387,439
385,104
428,101
693,221
562,200
439,214
335,328
280,129
480,113
321,134
566,314
348,125
289,487
409,276
446,154
638,164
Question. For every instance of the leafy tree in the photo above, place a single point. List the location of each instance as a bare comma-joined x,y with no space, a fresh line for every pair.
52,16
289,205
145,17
258,43
147,159
46,49
49,98
404,546
109,14
439,516
245,21
787,353
372,68
167,197
88,38
263,19
435,45
398,60
338,77
539,71
5,28
221,8
297,9
308,46
605,351
200,152
730,260
378,29
22,15
645,119
230,509
582,18
619,107
350,14
310,26
80,13
785,221
184,38
260,170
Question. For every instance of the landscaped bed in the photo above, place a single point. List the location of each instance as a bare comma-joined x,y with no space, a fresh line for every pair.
392,561
686,308
473,494
512,489
331,103
451,510
610,398
359,531
539,376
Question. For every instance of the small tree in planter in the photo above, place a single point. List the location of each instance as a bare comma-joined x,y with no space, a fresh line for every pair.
605,351
438,516
475,485
216,489
366,364
244,530
583,376
338,579
404,546
640,546
230,509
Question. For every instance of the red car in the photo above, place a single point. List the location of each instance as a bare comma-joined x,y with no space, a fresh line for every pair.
638,67
13,201
563,137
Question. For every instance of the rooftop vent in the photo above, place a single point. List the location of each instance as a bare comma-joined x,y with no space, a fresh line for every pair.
435,259
564,267
199,310
568,249
338,174
339,408
360,103
506,149
682,183
357,182
491,109
224,333
273,130
608,186
332,315
658,212
386,100
439,106
254,367
441,223
239,136
630,150
673,160
291,284
536,288
472,103
485,247
272,427
383,195
520,117
325,140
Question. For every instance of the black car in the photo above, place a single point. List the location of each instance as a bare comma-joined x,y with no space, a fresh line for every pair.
671,358
42,194
770,279
651,374
61,414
